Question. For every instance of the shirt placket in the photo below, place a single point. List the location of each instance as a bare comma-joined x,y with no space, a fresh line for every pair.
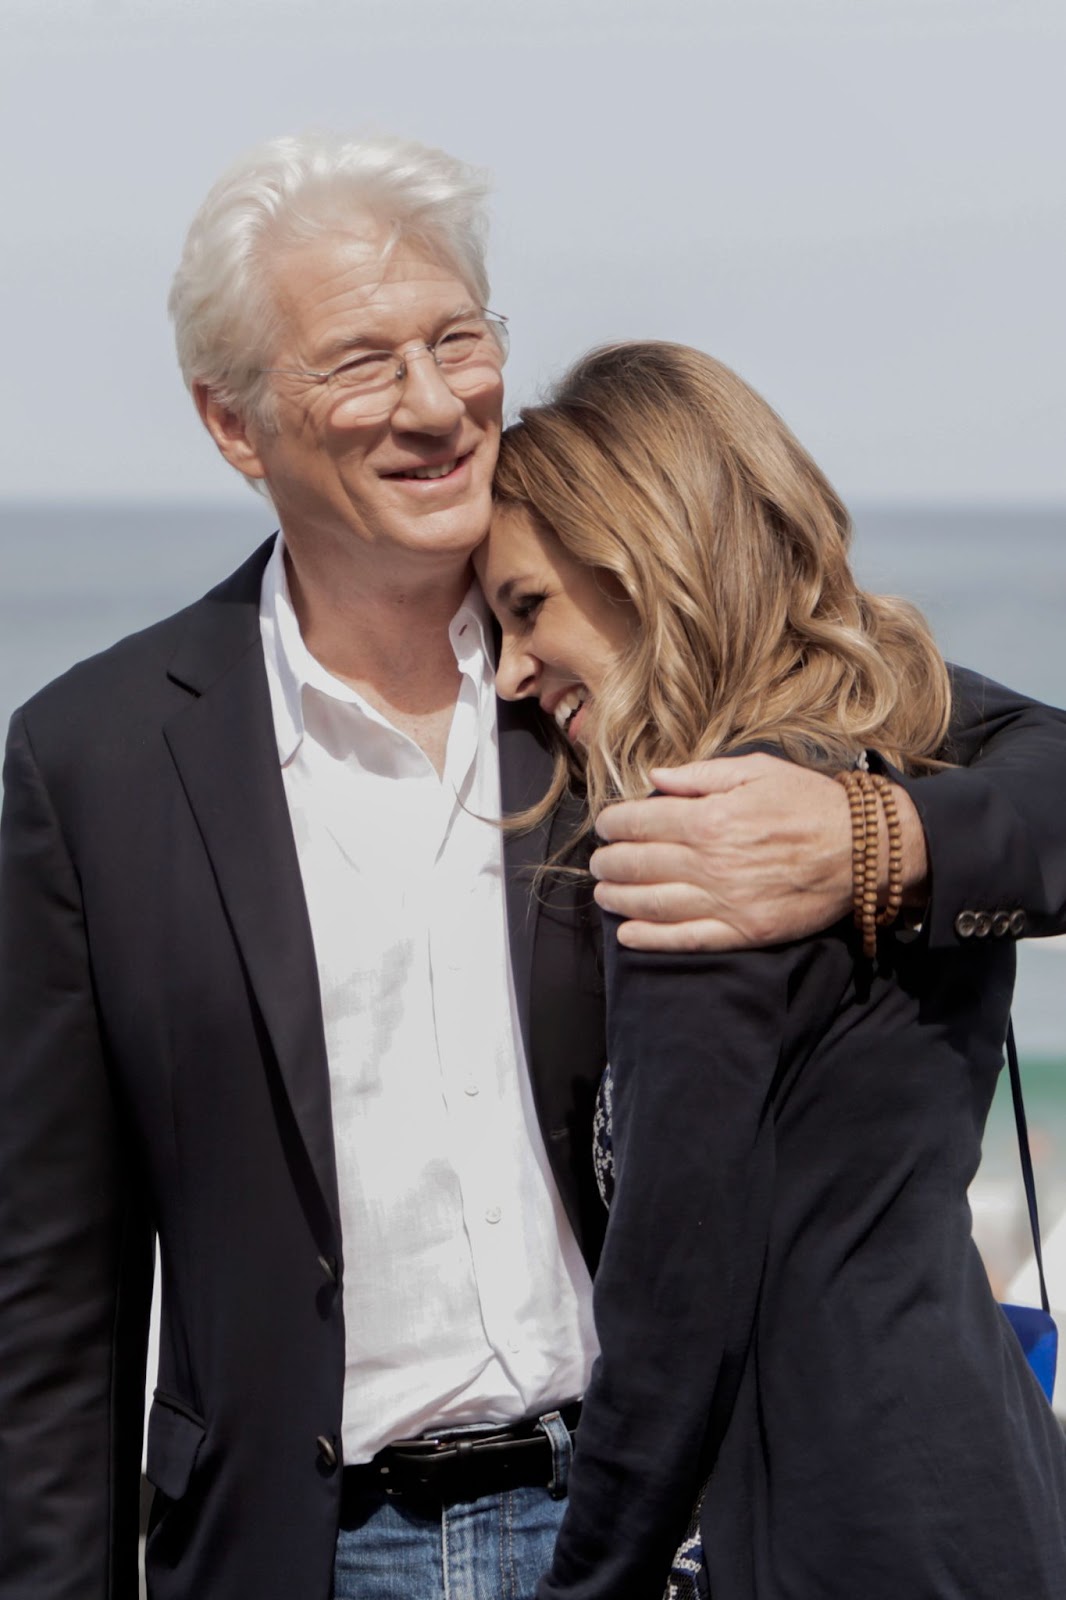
472,1081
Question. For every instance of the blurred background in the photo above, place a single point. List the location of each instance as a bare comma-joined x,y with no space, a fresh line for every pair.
859,204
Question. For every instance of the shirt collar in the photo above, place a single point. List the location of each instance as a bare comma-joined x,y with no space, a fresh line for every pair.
290,666
277,624
470,632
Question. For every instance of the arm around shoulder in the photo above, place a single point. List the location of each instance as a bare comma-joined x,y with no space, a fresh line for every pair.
995,825
75,1241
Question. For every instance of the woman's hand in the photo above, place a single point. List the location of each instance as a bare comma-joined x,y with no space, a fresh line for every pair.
737,852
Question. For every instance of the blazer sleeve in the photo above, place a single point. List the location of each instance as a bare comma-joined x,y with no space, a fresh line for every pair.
996,824
75,1241
694,1043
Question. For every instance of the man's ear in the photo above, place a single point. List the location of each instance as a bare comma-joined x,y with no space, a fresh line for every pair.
230,432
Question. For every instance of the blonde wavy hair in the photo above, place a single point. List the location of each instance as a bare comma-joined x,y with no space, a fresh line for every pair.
658,465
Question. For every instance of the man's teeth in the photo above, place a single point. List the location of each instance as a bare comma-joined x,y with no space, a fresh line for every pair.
432,472
569,706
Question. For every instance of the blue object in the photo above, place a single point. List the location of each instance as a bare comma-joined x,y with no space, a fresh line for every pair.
1039,1339
1034,1325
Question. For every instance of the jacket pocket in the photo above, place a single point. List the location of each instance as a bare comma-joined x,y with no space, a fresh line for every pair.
175,1434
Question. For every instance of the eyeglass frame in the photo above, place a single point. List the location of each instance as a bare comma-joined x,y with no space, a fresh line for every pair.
493,318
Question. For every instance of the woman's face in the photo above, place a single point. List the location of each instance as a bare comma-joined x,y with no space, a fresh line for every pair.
565,625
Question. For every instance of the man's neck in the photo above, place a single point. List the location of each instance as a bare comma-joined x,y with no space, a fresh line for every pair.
387,637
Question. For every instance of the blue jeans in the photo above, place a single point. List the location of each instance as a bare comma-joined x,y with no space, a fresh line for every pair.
494,1548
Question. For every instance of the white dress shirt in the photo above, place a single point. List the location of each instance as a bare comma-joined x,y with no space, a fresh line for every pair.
465,1295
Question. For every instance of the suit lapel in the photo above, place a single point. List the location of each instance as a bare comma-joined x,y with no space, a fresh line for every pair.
224,748
525,773
554,932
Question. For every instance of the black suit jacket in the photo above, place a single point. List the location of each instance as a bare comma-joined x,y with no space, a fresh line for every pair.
162,1068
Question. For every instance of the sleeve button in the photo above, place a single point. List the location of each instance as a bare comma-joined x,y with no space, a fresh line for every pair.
1017,923
965,923
982,924
1001,923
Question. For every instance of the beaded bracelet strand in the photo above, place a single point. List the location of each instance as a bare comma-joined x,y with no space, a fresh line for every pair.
867,793
895,851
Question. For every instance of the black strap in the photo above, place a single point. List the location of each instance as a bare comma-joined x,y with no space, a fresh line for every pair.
1027,1160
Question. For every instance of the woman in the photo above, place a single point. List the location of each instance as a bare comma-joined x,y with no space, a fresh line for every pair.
791,1308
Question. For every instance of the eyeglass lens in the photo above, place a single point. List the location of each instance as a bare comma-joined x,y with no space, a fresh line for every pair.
469,354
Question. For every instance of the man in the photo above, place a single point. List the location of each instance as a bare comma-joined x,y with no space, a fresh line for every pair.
256,993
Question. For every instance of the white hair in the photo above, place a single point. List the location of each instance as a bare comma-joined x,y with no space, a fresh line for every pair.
291,190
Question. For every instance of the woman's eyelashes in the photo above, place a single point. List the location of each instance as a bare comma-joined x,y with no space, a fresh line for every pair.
525,607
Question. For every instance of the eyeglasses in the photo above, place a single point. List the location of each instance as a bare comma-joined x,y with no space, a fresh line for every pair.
469,353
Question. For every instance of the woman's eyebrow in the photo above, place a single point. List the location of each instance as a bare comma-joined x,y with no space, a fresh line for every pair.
507,588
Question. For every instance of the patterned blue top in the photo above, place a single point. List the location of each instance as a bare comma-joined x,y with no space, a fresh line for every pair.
602,1147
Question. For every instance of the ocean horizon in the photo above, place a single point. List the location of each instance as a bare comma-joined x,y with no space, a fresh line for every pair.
76,577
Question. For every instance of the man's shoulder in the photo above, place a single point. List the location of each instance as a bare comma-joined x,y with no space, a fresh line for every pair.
138,669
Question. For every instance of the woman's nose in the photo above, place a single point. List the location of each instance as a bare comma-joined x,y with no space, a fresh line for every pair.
517,673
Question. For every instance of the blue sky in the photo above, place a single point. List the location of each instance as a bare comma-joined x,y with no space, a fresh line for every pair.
857,203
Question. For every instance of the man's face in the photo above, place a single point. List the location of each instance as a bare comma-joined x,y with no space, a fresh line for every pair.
336,475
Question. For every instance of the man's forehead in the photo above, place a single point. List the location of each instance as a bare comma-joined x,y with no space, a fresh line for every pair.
363,279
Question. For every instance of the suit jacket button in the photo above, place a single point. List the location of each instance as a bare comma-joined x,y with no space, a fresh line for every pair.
965,923
326,1451
329,1267
1001,923
1017,923
982,924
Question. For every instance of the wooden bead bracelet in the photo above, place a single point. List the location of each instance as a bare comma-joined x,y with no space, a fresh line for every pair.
865,791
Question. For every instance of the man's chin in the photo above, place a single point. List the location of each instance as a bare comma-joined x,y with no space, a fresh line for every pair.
458,527
456,531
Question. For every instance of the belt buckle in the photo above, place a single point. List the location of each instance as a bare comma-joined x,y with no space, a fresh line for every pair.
424,1445
461,1444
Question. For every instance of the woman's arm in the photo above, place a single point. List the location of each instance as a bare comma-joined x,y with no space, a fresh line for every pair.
693,1064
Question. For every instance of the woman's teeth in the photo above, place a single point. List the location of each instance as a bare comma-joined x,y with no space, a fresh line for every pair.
569,706
432,472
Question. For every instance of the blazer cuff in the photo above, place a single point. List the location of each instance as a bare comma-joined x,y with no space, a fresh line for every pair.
984,875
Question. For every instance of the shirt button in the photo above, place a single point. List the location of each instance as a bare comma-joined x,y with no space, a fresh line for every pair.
471,1089
493,1214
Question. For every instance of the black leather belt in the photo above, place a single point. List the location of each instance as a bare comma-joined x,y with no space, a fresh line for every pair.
444,1467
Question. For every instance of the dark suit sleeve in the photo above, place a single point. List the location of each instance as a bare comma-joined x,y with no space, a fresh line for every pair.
694,1042
75,1243
996,825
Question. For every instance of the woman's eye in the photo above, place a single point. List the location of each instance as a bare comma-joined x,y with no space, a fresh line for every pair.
526,608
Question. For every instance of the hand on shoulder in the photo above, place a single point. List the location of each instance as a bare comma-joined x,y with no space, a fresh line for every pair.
735,853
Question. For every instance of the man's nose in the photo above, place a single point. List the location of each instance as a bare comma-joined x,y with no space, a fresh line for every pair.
426,404
517,674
